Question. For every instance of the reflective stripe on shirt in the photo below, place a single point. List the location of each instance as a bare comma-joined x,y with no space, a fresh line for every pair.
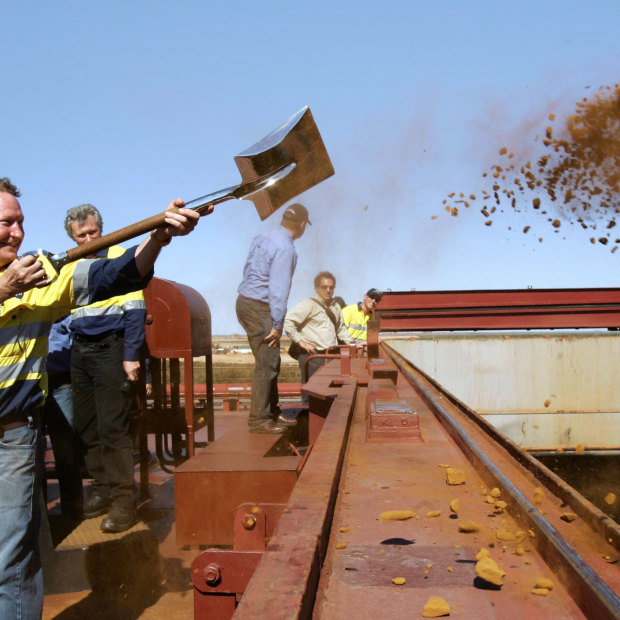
12,334
356,321
95,311
26,321
124,314
31,368
80,282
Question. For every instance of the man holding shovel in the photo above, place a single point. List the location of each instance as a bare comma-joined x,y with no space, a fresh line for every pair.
261,308
32,297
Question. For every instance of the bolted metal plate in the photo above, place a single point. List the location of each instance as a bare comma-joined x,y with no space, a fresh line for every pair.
393,418
392,406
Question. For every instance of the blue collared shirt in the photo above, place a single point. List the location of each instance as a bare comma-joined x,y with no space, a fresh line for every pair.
59,347
268,272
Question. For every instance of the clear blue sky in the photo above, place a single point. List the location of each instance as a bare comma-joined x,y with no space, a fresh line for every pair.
129,104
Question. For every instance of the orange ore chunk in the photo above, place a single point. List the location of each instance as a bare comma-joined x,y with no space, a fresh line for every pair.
455,476
435,607
489,570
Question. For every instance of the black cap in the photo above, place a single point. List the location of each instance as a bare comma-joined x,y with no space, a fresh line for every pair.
296,213
375,293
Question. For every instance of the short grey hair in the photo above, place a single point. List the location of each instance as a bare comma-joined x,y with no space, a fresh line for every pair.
80,214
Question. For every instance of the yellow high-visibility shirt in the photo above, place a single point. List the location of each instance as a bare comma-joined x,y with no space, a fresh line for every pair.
26,320
356,321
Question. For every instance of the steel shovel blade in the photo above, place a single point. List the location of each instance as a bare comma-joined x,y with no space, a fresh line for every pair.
297,141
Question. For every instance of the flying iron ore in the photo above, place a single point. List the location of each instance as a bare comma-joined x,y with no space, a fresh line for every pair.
576,172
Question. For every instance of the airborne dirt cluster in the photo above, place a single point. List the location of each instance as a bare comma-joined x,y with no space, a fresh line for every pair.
575,177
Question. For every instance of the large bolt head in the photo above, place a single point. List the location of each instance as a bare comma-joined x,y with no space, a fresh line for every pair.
249,521
212,574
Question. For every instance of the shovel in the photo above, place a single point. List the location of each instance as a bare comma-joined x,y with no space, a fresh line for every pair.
285,163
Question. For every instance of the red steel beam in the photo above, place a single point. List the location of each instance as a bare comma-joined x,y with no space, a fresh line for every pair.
284,586
500,309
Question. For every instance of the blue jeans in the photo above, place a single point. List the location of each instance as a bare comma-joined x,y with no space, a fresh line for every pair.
21,578
255,318
66,445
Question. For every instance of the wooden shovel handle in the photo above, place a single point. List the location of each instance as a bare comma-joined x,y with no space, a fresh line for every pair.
118,236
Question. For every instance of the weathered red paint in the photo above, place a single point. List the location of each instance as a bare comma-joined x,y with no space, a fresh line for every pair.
499,309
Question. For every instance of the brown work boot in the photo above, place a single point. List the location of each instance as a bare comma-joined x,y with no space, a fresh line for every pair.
284,421
122,516
96,505
269,427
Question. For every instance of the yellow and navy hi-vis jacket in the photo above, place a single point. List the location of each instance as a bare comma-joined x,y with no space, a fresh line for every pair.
124,314
26,320
356,321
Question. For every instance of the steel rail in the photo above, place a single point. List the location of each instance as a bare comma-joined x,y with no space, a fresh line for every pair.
599,601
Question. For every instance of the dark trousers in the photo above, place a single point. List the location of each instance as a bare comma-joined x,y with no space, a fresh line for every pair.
66,445
255,318
102,415
313,366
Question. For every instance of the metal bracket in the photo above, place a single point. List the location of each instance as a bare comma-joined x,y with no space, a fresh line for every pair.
254,524
220,577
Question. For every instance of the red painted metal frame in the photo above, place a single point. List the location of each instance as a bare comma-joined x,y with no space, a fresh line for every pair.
219,576
254,524
342,352
178,326
499,309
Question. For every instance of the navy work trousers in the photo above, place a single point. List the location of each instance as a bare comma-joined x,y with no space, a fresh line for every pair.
102,415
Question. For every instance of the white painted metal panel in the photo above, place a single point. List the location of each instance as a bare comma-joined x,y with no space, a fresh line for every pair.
546,389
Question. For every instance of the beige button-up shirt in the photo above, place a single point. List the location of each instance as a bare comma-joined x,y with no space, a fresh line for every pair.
308,321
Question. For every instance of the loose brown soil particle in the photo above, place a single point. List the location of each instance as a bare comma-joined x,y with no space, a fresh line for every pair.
576,170
397,515
569,517
469,527
538,495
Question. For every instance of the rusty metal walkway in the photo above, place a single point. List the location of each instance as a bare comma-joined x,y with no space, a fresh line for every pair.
383,518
